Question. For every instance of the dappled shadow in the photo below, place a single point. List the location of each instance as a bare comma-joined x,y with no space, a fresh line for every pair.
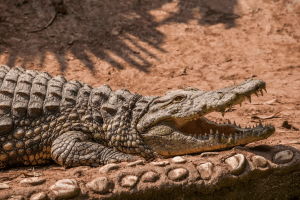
117,31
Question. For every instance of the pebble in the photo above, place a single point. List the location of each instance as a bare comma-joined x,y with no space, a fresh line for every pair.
16,198
129,181
259,161
178,160
106,168
101,185
150,177
283,157
178,174
135,163
32,181
65,189
39,196
209,154
4,186
205,170
161,163
237,163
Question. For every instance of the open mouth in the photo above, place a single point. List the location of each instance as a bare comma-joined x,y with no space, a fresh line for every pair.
203,129
200,128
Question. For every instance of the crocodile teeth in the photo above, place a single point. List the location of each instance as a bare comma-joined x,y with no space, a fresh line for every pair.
210,132
234,123
249,98
261,92
265,89
260,122
223,113
229,122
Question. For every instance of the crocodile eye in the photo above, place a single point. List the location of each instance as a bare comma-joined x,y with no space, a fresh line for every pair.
178,99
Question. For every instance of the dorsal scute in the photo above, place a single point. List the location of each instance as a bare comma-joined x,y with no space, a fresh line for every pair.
116,100
69,94
84,94
37,94
7,89
54,94
22,93
3,71
97,98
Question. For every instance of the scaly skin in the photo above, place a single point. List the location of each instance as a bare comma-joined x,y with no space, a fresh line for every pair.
44,118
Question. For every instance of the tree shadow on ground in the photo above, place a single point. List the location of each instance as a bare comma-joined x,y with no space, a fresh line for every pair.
107,29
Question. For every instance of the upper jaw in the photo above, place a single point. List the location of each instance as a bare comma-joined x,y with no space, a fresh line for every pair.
199,103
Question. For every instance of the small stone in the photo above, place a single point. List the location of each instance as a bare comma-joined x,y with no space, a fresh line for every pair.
178,160
178,174
138,162
283,157
16,198
39,196
4,186
129,181
100,185
161,163
65,189
150,177
108,168
205,170
259,161
33,181
237,163
209,154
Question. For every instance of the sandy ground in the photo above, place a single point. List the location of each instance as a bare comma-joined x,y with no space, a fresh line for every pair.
151,47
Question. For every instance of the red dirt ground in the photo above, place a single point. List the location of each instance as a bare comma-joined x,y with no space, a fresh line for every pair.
151,47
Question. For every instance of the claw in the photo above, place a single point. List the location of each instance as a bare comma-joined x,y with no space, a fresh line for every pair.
256,93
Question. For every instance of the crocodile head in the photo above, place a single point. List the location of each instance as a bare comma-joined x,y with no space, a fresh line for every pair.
175,124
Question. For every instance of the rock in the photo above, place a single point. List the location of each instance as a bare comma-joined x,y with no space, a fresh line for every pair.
259,161
4,186
178,160
32,181
66,188
160,163
129,181
39,196
150,177
209,154
178,174
106,168
237,163
101,185
205,170
283,157
138,162
16,198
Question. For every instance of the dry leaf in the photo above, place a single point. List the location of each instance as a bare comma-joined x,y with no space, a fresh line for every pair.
271,102
264,116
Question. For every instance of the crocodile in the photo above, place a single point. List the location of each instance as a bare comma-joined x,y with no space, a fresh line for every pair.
45,118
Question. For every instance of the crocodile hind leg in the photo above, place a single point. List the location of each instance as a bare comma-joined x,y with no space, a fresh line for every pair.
75,148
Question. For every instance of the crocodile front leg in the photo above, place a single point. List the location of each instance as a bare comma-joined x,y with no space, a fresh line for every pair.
74,148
